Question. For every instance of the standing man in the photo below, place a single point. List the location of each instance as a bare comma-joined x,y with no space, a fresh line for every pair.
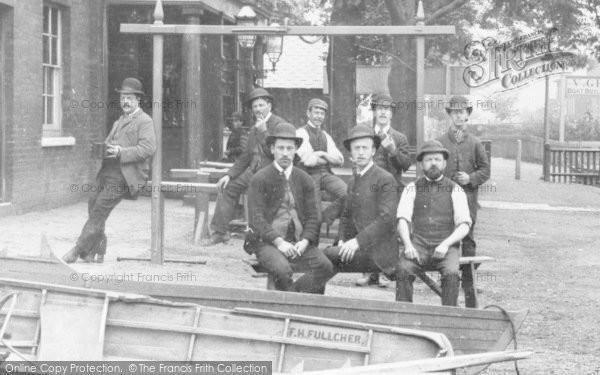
367,226
255,157
436,209
284,216
236,143
129,145
318,153
392,156
469,167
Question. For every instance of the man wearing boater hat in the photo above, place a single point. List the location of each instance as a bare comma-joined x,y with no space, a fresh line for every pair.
367,225
255,156
318,153
469,167
433,217
284,218
393,156
129,145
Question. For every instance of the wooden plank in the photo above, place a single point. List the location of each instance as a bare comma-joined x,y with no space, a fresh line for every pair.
154,29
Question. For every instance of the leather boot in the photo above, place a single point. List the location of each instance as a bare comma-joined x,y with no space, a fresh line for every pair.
100,250
72,255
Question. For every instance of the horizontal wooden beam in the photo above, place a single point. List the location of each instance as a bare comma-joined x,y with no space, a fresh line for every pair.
290,30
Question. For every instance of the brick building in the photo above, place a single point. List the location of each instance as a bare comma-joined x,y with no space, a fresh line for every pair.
60,62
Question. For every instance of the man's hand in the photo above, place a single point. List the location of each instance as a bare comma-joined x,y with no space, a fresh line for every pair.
411,253
222,183
440,251
348,249
463,178
388,144
300,247
112,151
286,248
261,124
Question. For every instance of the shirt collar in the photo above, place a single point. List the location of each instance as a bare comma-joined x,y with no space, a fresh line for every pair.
312,125
287,172
430,180
379,130
365,169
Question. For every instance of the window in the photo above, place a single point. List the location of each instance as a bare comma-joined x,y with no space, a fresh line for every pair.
51,95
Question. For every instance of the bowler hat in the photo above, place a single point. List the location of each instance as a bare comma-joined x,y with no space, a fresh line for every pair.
283,130
459,102
316,102
258,92
361,131
432,147
131,86
383,100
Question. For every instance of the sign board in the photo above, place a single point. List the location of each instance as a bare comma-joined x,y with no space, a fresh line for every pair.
582,86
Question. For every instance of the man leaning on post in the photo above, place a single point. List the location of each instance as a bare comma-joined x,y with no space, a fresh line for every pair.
433,217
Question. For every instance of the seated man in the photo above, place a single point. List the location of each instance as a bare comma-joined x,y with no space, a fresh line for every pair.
283,215
318,153
368,236
438,211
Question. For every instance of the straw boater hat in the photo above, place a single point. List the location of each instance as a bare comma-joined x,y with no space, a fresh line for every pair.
361,131
283,130
316,102
432,147
458,102
256,93
131,86
383,100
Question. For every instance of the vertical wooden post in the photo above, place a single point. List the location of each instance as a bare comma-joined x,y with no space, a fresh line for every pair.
157,254
518,161
420,40
563,109
546,127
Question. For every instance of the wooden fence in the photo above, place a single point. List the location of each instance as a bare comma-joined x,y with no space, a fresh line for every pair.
568,164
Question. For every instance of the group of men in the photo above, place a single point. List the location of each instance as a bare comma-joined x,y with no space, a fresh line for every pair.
386,229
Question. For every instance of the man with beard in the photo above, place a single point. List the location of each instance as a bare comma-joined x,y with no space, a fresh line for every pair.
256,156
368,237
468,166
318,153
129,145
393,156
284,218
436,209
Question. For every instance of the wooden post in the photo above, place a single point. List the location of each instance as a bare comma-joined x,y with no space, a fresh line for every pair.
547,161
563,110
518,161
546,126
157,254
420,40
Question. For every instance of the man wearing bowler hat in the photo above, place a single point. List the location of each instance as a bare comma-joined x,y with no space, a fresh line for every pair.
367,225
433,217
284,218
392,156
129,146
318,153
256,156
469,167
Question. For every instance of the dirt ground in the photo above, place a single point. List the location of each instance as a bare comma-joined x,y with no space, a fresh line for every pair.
548,260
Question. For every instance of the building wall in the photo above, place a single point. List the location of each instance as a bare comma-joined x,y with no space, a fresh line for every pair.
45,177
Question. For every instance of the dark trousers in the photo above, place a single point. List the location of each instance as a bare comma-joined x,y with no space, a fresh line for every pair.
331,184
111,187
228,200
447,266
362,261
469,250
281,269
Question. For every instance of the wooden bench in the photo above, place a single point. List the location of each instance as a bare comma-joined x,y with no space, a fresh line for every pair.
472,262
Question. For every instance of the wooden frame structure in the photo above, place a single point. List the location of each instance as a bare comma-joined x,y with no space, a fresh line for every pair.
158,29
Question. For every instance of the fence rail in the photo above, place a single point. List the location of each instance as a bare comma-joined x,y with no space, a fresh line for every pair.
571,164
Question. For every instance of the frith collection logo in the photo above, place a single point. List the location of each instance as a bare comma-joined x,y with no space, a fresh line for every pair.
516,62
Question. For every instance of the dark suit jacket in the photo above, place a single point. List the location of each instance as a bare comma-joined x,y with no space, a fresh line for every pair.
267,190
256,155
370,215
137,139
396,162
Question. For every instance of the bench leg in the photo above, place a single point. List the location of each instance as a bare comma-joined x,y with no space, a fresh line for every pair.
201,230
474,275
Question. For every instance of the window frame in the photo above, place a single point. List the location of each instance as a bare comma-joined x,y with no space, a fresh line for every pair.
54,128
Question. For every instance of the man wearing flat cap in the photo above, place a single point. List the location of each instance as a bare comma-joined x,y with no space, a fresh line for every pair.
284,218
318,153
236,143
433,218
256,156
469,167
393,156
367,225
125,164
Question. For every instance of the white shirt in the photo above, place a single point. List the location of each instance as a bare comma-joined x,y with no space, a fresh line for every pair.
287,172
379,130
306,153
365,169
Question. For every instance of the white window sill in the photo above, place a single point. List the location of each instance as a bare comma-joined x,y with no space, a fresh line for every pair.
58,141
